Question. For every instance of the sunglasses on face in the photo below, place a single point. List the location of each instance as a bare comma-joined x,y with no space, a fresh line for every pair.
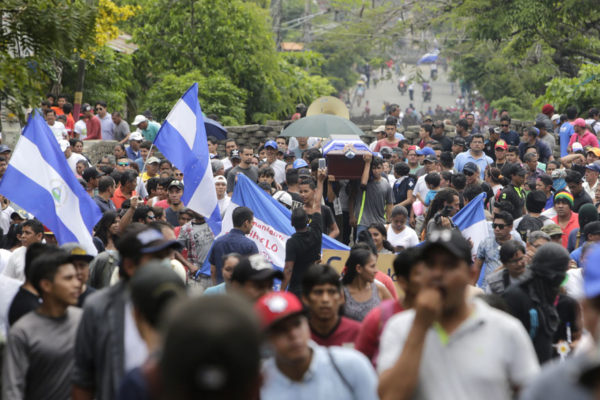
499,226
123,164
504,126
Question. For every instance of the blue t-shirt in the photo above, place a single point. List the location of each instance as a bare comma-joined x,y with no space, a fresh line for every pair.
564,135
429,197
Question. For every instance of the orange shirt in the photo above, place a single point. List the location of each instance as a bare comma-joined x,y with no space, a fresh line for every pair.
572,224
118,198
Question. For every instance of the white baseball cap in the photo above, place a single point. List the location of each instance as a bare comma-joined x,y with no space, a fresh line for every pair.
138,120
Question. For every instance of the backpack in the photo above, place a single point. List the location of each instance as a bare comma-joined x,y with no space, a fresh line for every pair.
529,224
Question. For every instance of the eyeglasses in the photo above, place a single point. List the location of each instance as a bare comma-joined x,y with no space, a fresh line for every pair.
499,226
468,173
504,125
123,163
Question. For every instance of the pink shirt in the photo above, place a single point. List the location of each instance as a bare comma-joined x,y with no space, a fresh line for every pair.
588,139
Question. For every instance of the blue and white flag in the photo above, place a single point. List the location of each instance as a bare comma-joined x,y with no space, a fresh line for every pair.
39,180
471,221
182,139
272,227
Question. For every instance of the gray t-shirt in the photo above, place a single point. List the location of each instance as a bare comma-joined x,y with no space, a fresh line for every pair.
39,357
121,131
377,195
251,172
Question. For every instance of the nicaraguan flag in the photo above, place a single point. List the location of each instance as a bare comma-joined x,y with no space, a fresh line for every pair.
182,139
39,180
272,227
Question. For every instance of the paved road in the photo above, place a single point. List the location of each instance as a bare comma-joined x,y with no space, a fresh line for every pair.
387,91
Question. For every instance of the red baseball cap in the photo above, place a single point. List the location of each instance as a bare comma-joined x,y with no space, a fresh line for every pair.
275,306
501,144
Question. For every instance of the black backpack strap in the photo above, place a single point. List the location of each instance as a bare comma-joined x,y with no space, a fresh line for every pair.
339,372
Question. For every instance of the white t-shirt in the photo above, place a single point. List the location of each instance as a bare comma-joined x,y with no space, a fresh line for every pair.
421,188
407,238
80,129
223,204
59,130
8,289
482,359
15,268
279,168
136,350
72,161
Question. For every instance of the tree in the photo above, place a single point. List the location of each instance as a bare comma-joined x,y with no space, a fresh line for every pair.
582,91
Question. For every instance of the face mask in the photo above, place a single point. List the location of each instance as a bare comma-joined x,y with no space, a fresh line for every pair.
559,184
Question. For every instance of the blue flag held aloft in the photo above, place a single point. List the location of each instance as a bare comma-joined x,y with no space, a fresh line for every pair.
182,139
39,180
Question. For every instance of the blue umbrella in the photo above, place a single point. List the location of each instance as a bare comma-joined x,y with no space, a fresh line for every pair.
429,57
213,128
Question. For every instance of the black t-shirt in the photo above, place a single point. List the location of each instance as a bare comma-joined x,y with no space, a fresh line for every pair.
304,248
581,199
88,290
23,302
401,189
327,218
172,216
516,197
444,141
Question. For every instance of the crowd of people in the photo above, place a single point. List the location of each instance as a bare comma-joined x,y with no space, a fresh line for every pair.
167,310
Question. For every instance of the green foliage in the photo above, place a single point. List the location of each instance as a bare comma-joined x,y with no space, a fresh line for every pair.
216,93
35,36
514,108
582,91
109,78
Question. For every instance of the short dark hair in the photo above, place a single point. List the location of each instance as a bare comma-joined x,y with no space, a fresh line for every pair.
477,136
509,249
462,123
46,265
101,103
128,176
146,145
571,112
428,128
104,183
573,176
49,111
459,181
504,206
546,180
320,274
535,201
307,180
405,262
33,252
504,216
513,149
505,118
472,191
391,121
401,168
241,215
446,159
35,225
67,108
291,176
165,161
266,171
140,213
299,218
433,179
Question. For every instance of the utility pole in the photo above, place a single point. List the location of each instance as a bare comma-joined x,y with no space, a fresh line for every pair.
276,11
78,98
306,27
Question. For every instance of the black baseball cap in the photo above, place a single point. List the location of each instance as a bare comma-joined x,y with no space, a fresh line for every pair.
592,228
235,154
76,252
153,286
459,141
449,239
255,268
175,183
471,167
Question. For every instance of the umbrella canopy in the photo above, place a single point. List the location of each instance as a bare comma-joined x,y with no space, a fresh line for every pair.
429,57
213,128
321,125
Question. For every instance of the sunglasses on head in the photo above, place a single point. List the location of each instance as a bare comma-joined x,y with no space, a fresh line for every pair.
499,226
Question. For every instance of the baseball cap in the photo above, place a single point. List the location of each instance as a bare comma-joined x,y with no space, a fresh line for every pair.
533,131
272,144
594,150
235,154
471,167
430,158
276,306
459,141
501,144
255,268
284,198
577,147
380,128
591,272
592,228
4,149
595,166
451,240
427,118
153,160
86,107
289,154
137,136
555,117
64,145
90,173
552,230
579,122
426,151
386,151
151,241
76,252
153,286
175,183
299,163
139,119
218,178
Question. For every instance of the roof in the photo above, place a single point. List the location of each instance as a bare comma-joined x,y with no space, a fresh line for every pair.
123,44
292,46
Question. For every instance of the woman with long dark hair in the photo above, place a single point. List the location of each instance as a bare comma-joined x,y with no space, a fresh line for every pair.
379,236
106,231
361,293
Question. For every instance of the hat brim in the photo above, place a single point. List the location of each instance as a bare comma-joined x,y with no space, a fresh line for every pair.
162,245
84,257
283,318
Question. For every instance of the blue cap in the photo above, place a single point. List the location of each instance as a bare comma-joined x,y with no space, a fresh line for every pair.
300,163
272,144
591,272
426,151
595,166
